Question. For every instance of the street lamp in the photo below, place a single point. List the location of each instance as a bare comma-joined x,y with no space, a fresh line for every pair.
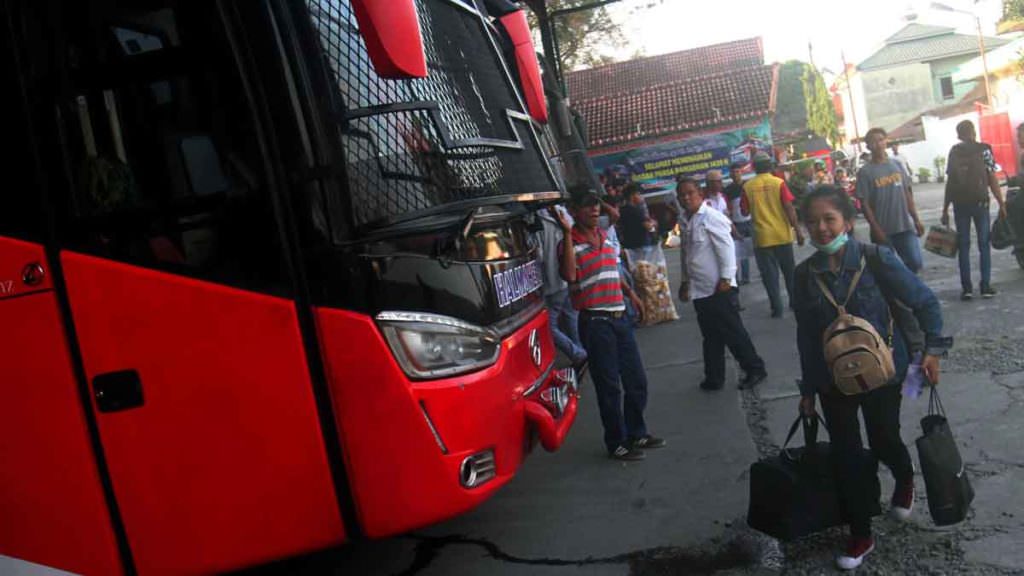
981,43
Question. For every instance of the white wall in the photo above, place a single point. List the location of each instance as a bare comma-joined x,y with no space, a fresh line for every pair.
896,94
940,136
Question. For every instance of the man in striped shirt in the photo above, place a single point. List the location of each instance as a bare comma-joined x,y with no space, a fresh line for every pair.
590,265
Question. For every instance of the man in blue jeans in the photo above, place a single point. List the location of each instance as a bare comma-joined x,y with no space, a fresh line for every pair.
971,172
590,264
887,199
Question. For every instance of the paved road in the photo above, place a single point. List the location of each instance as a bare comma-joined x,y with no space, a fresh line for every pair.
682,510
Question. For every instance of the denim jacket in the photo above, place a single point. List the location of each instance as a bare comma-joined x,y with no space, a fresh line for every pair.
884,276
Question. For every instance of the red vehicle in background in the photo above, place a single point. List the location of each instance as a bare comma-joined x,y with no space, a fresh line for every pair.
266,282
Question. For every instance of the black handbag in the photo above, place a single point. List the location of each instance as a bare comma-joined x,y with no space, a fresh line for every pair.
945,477
1002,235
794,493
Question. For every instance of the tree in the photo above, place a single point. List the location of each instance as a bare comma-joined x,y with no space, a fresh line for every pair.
586,38
1013,9
821,115
1013,17
803,102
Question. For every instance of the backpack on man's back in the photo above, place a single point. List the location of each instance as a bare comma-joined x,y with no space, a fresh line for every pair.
968,173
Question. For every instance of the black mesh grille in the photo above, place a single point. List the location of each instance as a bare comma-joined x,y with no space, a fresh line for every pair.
411,145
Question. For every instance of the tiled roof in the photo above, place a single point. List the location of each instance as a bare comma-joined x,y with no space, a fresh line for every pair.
924,46
682,106
679,92
666,68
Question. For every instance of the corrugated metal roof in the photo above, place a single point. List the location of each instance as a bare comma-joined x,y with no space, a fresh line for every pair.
915,31
926,48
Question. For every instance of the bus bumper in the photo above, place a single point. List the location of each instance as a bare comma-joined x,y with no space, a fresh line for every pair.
419,452
553,412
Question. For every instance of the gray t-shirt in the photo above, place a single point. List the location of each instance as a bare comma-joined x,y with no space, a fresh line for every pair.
883,186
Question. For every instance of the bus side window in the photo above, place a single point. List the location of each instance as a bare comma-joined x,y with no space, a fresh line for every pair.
161,145
20,208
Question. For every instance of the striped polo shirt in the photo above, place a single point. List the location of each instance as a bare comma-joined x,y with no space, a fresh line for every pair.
597,286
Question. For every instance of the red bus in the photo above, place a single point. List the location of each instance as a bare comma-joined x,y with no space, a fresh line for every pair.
266,283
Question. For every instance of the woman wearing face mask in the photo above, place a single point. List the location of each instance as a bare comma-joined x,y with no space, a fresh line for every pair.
829,217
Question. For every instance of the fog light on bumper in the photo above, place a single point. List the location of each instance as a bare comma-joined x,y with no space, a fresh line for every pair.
477,469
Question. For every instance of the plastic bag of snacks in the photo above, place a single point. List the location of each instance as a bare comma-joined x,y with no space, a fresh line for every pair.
650,279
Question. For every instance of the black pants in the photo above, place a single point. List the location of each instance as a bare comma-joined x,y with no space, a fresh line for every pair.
720,324
881,409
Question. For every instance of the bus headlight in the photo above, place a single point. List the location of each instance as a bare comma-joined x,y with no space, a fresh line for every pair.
434,346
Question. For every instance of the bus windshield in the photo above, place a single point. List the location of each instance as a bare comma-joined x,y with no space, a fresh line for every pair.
460,135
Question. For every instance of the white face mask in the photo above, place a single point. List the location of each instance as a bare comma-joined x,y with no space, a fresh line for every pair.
833,246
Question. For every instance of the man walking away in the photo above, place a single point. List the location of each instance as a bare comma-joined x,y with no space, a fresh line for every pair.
971,172
563,317
711,264
887,200
740,219
590,265
635,222
901,160
771,207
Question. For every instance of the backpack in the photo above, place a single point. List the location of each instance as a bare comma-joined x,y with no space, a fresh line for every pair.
968,173
859,359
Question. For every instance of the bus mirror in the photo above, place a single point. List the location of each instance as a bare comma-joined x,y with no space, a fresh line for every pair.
530,83
391,30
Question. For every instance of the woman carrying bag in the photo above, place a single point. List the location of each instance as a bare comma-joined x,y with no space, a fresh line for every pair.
854,358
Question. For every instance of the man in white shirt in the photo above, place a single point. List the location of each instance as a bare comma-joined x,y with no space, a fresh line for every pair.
714,195
711,266
901,160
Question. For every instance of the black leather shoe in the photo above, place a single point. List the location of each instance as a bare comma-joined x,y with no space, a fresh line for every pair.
709,385
752,379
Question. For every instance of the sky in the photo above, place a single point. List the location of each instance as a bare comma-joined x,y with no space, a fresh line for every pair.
856,27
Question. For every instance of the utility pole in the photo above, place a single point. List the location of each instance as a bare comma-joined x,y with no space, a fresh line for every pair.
984,62
981,43
853,105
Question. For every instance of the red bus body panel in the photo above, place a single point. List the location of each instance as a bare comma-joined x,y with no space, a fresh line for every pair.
52,508
399,476
530,83
996,131
224,464
391,30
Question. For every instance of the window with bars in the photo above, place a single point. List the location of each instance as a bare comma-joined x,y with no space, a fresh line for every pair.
417,144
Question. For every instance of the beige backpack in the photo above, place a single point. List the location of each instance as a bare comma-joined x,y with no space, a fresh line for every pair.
858,357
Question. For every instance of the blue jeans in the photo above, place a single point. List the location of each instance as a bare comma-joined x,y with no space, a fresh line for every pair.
564,320
964,214
770,261
746,230
908,247
620,381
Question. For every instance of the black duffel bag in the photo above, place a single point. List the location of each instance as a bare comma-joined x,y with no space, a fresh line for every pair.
945,477
1003,235
794,493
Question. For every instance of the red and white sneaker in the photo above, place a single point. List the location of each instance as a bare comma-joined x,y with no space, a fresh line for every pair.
856,550
902,500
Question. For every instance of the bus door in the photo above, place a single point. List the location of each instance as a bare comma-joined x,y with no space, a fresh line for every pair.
52,508
179,290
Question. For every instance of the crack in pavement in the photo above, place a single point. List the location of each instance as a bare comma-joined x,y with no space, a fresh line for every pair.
733,554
